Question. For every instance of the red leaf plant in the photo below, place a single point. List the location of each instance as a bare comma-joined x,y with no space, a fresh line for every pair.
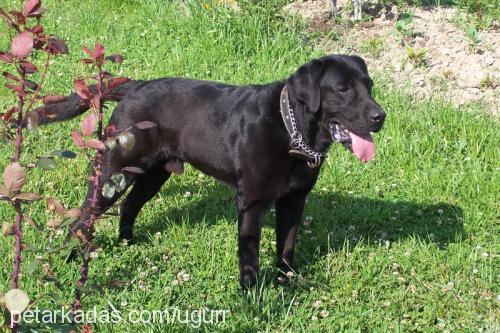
29,37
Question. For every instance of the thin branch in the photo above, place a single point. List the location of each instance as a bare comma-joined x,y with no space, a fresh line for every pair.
40,84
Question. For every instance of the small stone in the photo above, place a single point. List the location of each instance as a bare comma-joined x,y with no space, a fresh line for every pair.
489,60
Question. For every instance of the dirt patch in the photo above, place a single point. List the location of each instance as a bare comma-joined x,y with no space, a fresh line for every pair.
429,55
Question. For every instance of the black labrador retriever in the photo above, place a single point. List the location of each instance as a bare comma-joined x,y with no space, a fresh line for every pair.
268,141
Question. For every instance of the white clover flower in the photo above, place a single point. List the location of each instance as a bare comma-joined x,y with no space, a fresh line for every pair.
182,277
142,285
308,221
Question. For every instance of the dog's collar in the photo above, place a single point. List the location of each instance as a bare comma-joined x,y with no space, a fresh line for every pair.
299,147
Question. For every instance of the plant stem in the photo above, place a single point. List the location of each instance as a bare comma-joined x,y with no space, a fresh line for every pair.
17,205
18,235
98,160
42,80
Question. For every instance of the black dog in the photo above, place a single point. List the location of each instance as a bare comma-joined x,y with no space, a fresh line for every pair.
267,141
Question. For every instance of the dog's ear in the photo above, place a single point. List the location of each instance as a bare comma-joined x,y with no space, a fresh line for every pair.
305,84
360,63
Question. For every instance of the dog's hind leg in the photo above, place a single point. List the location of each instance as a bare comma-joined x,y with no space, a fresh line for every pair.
130,148
144,188
96,204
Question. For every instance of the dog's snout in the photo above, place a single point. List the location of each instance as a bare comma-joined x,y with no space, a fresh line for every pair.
377,116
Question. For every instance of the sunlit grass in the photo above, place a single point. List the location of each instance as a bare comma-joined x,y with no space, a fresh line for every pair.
406,243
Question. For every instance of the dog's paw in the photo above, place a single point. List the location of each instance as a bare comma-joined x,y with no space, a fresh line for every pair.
284,278
248,278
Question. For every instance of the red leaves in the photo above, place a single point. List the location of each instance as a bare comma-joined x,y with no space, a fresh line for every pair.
31,85
15,89
6,57
6,16
113,83
98,51
96,102
81,89
116,58
22,44
95,144
27,67
96,54
89,124
10,76
32,8
27,196
8,115
77,139
14,177
55,205
57,46
88,127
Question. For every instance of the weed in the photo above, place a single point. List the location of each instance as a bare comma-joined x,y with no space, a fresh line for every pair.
404,25
373,46
448,74
416,56
487,82
473,38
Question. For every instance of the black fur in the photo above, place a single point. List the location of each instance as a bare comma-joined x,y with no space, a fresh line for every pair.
235,134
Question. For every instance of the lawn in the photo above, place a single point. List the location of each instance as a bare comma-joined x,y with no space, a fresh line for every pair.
407,243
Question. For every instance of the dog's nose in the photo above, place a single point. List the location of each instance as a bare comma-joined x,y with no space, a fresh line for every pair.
377,116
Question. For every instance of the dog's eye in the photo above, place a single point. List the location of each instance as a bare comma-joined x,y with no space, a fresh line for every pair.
343,89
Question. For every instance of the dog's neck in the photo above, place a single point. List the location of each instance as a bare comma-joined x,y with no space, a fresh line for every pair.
310,125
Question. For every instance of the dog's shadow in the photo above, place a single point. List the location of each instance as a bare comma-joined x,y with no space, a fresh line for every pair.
338,220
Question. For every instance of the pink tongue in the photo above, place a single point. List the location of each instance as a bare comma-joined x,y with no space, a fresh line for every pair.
363,147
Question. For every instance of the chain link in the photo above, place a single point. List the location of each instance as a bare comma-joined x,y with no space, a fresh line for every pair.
298,141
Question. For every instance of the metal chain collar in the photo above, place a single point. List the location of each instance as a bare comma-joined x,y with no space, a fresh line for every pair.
298,143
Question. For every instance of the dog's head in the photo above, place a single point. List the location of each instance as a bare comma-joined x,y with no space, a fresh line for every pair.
336,89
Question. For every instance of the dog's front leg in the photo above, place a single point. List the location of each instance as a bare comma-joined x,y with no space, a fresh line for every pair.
289,211
250,213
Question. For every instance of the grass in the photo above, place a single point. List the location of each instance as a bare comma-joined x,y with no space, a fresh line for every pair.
373,46
406,243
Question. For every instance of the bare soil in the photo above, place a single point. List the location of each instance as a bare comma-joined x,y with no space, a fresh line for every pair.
450,68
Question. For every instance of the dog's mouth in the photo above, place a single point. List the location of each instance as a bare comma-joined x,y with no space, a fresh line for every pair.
360,145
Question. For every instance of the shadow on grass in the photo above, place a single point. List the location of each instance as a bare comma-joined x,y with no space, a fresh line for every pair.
337,218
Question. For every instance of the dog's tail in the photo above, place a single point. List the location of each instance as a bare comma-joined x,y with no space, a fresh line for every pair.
73,105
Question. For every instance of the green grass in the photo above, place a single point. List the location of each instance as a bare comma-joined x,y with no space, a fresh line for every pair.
408,243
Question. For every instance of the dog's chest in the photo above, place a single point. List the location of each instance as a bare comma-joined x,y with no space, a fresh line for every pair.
301,178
